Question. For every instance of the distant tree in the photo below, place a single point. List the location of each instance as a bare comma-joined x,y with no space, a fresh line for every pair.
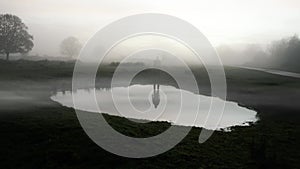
115,64
70,47
285,53
278,50
14,37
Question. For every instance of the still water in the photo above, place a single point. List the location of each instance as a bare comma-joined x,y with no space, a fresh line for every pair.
158,103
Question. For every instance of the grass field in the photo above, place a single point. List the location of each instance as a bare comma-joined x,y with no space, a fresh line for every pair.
39,133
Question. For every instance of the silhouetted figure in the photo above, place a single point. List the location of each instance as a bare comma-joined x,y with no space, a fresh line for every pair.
155,95
157,62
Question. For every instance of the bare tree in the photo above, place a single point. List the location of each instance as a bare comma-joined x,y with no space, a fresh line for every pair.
70,47
14,37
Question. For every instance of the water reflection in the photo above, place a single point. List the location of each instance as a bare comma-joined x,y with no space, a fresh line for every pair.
155,95
157,102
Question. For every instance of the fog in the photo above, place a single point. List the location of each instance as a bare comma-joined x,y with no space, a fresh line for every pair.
231,22
243,32
282,54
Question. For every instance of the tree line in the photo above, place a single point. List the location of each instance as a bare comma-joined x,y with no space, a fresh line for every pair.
14,38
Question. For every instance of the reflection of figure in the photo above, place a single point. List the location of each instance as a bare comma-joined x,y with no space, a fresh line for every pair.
155,95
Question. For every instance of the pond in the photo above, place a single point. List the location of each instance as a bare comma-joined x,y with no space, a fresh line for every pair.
158,103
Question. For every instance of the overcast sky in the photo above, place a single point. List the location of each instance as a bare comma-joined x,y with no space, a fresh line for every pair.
222,21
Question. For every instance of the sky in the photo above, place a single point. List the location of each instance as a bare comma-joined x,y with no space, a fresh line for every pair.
233,22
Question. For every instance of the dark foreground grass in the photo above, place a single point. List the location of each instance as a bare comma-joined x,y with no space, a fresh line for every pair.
52,138
39,133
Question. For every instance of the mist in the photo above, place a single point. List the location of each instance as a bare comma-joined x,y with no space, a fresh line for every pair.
282,54
230,22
